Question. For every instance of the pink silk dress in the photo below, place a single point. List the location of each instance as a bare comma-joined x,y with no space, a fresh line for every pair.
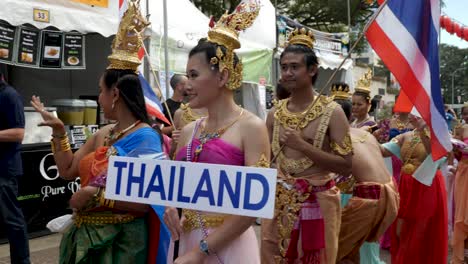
243,249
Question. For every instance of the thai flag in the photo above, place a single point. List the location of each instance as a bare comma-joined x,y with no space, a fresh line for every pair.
153,105
405,36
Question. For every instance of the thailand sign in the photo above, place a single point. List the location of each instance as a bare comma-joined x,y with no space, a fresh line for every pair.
246,191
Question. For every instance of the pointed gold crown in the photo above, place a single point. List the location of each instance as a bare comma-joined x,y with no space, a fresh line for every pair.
226,33
302,37
128,40
364,83
340,91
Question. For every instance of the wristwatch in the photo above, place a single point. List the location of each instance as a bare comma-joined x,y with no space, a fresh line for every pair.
204,247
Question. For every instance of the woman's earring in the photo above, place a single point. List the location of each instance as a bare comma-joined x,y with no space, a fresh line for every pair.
113,105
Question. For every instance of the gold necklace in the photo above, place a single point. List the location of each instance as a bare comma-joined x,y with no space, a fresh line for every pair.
400,125
302,119
206,136
407,167
112,136
188,114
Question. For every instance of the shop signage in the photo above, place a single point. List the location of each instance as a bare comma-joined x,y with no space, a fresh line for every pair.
31,47
7,42
73,52
79,134
51,49
28,47
237,190
337,43
41,15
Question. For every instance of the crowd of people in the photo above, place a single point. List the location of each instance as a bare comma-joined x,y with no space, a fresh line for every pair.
348,185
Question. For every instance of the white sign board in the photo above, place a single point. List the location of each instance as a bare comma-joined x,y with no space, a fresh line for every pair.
246,191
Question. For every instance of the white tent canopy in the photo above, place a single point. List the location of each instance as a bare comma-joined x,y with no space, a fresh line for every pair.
186,25
65,15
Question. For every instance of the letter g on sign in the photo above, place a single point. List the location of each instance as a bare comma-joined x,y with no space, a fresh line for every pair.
43,171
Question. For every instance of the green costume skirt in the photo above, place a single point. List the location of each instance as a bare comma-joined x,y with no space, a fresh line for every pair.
105,244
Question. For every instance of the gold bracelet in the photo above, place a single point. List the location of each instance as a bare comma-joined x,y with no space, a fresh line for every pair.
105,202
64,135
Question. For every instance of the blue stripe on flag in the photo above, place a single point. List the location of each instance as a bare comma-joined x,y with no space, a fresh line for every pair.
164,236
416,17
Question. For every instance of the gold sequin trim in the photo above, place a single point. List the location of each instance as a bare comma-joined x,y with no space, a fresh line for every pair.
293,120
347,147
295,166
263,162
102,219
192,222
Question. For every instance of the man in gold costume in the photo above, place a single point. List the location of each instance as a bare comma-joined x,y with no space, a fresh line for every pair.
310,149
374,204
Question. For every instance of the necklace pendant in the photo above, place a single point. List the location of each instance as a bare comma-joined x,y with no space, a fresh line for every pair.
198,149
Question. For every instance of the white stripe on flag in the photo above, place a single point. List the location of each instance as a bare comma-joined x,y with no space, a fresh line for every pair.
153,104
435,13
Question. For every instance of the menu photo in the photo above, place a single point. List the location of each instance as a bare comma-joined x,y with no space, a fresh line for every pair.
73,51
7,42
51,51
28,46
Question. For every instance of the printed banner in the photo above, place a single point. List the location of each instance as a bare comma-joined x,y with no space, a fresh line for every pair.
247,191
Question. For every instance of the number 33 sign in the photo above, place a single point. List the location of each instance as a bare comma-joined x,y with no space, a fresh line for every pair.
41,15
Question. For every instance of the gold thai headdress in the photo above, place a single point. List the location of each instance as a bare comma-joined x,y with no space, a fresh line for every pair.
364,83
340,91
226,33
302,37
128,40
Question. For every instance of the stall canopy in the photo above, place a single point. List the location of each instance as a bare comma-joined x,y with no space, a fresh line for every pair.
186,25
66,15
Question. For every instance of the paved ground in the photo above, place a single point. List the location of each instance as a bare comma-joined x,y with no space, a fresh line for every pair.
44,250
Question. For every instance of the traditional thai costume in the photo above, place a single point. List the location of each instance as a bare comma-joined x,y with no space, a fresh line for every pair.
423,236
371,210
102,234
307,218
243,249
460,232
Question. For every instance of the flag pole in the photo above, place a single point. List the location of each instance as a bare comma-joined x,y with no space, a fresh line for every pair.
366,27
158,85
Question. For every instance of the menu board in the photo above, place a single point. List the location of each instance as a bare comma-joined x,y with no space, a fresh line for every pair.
7,42
28,46
51,50
73,52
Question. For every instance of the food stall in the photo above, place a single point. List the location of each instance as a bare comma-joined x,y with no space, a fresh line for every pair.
57,50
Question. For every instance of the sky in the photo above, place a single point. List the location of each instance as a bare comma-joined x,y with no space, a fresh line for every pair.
456,10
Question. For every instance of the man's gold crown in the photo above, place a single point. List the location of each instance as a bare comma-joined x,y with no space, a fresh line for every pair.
128,40
226,33
301,37
364,83
340,91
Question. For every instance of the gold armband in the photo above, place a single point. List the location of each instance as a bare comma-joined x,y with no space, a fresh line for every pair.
344,150
105,202
262,162
64,145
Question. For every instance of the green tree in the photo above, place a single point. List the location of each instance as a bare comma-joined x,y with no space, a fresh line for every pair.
453,63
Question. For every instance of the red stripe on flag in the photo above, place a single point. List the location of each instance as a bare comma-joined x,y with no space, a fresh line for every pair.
120,3
141,53
398,65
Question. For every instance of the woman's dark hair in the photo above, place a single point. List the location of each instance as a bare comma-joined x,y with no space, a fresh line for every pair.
310,59
281,92
346,105
364,95
209,49
130,89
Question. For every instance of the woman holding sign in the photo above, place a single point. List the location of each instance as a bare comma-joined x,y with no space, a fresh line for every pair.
224,137
107,231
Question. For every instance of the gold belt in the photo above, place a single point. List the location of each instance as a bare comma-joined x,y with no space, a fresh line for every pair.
102,219
409,168
192,221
